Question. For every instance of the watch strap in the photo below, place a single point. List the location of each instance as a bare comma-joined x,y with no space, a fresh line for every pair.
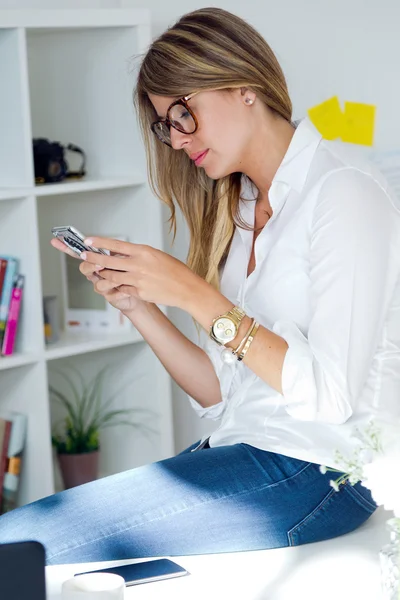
236,312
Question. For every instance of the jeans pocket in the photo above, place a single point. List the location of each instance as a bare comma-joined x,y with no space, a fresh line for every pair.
337,513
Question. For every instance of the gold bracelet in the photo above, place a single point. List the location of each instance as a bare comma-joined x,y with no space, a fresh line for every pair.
228,355
244,340
247,345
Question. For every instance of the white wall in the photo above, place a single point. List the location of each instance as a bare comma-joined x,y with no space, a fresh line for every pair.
347,47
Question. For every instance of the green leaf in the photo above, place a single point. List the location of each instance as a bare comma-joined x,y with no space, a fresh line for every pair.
95,395
87,413
71,384
65,402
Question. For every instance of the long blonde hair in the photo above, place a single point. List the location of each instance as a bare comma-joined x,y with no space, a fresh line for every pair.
206,49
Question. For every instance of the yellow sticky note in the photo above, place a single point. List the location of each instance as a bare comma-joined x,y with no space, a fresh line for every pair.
327,118
359,123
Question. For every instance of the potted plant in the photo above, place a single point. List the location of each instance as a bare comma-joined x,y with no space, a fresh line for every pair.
87,413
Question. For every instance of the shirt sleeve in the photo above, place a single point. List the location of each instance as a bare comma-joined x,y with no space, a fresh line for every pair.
213,352
354,239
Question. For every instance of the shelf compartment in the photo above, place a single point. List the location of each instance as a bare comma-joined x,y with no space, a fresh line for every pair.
88,100
19,238
25,390
127,213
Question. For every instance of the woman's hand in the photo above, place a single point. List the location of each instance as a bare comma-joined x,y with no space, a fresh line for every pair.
144,272
124,302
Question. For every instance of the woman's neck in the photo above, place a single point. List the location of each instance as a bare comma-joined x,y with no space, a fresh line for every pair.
265,154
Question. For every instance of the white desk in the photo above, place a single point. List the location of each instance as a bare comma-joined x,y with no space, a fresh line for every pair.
346,568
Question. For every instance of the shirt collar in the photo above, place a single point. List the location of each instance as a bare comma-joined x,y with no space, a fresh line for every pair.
296,163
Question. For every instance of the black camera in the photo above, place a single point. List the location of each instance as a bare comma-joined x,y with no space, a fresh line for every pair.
50,163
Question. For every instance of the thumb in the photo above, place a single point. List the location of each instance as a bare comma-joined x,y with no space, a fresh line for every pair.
129,290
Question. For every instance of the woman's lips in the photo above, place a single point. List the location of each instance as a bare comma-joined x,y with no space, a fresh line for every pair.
198,158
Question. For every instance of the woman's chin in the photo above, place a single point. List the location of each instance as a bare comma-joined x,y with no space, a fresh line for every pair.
215,172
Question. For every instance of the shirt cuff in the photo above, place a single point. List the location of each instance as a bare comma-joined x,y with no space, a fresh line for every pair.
209,412
298,381
225,374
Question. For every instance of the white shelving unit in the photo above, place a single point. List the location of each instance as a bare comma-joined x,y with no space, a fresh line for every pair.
68,76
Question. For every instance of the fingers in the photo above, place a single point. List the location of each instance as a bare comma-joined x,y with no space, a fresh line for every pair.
59,245
103,287
88,269
119,255
117,278
116,246
114,263
129,290
93,278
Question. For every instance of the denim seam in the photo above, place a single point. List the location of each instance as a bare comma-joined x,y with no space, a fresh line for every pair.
306,466
299,526
257,489
359,498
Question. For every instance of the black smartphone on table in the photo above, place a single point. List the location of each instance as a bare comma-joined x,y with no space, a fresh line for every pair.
145,572
22,571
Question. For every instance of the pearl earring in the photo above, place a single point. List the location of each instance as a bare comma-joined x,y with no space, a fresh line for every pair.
249,101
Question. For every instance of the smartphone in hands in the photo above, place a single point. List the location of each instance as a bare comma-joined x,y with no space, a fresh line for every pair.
145,572
74,239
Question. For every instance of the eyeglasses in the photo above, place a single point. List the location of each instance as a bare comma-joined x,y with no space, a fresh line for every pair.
180,117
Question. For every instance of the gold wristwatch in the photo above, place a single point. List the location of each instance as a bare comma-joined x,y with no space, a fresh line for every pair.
224,328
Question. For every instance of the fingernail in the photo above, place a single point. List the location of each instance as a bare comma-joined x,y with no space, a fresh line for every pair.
89,241
98,267
83,255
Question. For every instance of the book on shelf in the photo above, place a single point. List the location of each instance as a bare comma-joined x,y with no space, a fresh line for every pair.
5,432
16,444
11,292
11,329
3,266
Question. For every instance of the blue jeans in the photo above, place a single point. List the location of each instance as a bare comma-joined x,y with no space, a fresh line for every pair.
225,499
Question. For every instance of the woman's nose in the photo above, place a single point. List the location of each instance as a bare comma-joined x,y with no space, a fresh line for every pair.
178,139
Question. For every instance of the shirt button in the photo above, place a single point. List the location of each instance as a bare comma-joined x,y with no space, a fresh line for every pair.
278,191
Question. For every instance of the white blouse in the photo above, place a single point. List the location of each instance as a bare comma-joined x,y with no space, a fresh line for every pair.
327,281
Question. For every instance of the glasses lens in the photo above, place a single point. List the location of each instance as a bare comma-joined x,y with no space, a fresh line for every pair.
162,132
181,119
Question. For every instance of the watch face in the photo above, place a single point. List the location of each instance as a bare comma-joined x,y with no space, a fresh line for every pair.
224,330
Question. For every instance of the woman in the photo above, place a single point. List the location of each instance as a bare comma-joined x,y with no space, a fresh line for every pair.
292,276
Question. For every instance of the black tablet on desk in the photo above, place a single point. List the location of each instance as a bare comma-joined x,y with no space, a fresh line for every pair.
22,571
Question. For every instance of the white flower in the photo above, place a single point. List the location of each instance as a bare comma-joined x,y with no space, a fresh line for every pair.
381,476
323,469
366,455
354,478
375,462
